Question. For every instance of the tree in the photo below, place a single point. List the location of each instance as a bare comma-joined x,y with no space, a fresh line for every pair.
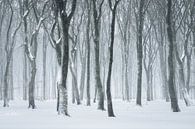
9,47
124,23
88,50
64,23
108,92
140,19
97,12
173,97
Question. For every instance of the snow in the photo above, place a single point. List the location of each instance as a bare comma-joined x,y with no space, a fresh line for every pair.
153,115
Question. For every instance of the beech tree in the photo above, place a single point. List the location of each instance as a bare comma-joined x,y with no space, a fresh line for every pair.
97,12
174,101
64,23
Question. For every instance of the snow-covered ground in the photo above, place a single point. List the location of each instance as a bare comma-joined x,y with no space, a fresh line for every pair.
153,115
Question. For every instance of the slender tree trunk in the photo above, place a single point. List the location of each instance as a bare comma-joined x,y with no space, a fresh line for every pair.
44,65
108,90
140,52
88,51
6,99
126,78
25,78
8,58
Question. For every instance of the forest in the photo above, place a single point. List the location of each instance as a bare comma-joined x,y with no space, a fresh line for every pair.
97,55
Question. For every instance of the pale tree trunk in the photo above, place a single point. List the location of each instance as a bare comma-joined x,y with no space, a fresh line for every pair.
163,71
25,77
44,65
2,17
124,23
8,58
82,79
162,57
11,89
73,69
126,77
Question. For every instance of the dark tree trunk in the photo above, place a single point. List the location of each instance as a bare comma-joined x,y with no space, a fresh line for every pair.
173,97
140,52
64,22
31,93
108,90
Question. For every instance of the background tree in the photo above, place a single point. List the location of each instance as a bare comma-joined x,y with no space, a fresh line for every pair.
97,12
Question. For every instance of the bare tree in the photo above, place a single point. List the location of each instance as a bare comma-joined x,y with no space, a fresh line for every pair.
97,12
64,23
9,47
140,22
113,7
174,101
88,3
124,23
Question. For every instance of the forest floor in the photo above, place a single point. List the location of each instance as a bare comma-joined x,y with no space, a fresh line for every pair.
152,115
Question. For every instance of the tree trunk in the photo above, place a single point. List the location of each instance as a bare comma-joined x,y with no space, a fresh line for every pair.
31,94
44,65
64,23
88,51
25,78
75,89
97,63
108,90
82,80
174,101
6,99
140,52
126,79
65,59
163,71
8,58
